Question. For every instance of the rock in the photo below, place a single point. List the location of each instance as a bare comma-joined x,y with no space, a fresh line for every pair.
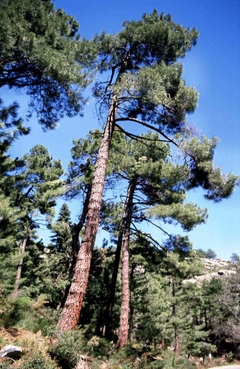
13,352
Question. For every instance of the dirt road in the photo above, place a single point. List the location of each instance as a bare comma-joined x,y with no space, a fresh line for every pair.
226,367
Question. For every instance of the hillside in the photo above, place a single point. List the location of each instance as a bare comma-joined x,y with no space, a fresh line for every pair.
214,268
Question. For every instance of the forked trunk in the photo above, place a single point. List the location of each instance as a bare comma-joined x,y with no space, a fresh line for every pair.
70,315
125,305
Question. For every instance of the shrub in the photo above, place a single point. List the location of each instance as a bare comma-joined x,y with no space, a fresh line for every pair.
18,310
229,357
5,364
67,348
36,360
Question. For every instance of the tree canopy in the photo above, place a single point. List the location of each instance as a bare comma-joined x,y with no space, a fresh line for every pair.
42,54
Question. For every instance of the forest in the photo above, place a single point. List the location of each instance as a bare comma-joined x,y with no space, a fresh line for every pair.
134,300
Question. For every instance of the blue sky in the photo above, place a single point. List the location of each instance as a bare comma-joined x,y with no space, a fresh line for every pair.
212,67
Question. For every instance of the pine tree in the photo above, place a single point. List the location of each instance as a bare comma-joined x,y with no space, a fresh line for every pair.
145,87
42,55
183,298
151,180
58,259
30,188
62,230
226,313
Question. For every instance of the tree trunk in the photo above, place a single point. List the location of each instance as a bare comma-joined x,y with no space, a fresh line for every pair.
111,297
72,308
125,305
22,248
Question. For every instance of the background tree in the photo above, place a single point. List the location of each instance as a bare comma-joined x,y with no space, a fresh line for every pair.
59,258
235,258
31,188
225,322
42,55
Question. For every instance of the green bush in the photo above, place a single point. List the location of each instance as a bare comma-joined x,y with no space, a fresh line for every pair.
183,363
67,349
229,357
6,364
29,314
18,310
36,360
99,346
168,362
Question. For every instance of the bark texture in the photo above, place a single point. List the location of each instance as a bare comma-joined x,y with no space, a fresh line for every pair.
125,304
70,315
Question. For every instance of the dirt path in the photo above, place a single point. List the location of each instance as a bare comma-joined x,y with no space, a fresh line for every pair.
226,367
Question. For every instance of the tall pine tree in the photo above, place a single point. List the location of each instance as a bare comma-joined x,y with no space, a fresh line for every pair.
145,86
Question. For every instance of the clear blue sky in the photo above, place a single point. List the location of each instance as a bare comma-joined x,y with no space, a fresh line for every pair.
212,67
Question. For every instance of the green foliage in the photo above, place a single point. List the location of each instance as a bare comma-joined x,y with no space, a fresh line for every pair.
42,54
29,189
235,258
148,36
6,364
188,215
17,310
211,254
206,349
144,54
226,320
10,129
81,167
229,357
36,360
202,171
94,310
28,314
67,349
166,362
183,363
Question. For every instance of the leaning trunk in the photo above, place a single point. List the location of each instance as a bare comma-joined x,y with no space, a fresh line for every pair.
125,305
72,308
22,248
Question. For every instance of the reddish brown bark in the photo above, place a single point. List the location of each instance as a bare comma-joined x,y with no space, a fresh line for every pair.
111,297
125,304
115,271
72,308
